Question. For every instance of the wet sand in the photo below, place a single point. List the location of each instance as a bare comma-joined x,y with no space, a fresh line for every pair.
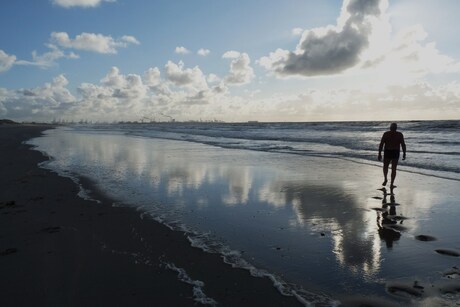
57,249
324,224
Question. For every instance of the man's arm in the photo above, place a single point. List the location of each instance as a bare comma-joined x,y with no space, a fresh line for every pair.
382,141
403,146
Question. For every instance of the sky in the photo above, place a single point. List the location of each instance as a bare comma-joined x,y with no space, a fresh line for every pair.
240,60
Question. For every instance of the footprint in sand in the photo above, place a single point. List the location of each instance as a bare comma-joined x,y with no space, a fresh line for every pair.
37,198
448,252
452,273
8,251
425,238
5,204
51,229
452,288
405,289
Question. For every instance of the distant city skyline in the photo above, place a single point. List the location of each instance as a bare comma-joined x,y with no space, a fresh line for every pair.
119,60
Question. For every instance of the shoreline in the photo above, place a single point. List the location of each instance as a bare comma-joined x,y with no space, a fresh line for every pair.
384,245
58,249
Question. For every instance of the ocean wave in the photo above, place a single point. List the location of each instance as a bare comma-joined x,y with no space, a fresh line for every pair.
432,145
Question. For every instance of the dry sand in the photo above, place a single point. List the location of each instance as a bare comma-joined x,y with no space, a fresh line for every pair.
57,249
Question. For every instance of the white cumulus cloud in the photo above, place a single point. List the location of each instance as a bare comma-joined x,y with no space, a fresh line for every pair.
152,77
190,77
181,50
6,61
297,31
40,103
240,71
203,52
232,54
92,42
80,3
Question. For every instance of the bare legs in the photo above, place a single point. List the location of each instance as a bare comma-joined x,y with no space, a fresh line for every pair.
386,163
394,165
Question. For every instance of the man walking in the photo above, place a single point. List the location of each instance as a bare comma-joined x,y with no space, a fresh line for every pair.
392,141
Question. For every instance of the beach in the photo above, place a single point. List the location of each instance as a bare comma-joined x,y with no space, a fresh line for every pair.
181,222
60,250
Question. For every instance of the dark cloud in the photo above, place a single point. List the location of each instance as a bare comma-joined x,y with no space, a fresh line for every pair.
329,54
364,7
329,50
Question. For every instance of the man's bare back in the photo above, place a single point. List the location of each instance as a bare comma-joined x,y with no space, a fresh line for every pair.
393,140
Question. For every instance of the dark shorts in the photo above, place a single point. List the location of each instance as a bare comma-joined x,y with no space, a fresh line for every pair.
391,154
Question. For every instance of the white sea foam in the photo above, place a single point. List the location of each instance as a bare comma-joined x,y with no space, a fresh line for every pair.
233,257
198,292
82,191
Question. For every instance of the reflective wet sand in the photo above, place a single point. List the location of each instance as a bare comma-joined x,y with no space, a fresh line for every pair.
320,223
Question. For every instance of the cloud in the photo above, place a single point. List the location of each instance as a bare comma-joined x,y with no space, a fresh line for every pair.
6,61
407,58
117,96
124,86
80,3
332,49
92,42
130,97
362,44
203,52
152,77
189,77
40,103
183,93
129,39
47,59
297,31
240,71
181,50
232,54
212,78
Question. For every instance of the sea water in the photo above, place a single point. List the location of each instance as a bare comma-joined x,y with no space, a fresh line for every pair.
296,202
433,146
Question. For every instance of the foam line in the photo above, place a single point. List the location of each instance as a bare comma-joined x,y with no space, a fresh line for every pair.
198,293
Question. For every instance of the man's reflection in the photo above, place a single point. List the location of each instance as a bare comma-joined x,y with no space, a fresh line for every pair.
386,219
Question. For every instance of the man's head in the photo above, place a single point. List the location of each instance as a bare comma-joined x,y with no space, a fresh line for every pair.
393,126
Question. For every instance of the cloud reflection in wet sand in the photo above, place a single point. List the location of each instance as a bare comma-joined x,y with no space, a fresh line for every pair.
298,216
